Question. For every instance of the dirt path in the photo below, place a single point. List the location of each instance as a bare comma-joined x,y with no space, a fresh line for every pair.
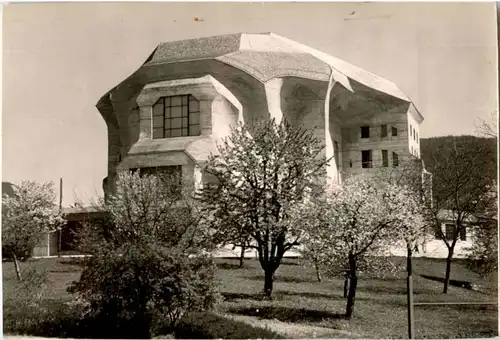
294,330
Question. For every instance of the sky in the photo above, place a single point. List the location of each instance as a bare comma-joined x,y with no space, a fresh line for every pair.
60,58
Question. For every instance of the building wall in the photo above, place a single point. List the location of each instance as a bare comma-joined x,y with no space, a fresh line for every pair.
134,141
353,144
414,137
435,247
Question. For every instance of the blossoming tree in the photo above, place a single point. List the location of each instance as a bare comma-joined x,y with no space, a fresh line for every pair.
26,215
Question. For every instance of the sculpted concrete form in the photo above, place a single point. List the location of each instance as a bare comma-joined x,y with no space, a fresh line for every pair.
247,77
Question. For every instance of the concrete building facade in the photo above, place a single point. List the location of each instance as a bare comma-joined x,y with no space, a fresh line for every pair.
182,101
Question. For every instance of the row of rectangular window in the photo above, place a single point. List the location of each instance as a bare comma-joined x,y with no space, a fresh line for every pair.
365,131
413,133
367,161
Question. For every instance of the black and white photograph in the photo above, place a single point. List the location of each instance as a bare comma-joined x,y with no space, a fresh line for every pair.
249,170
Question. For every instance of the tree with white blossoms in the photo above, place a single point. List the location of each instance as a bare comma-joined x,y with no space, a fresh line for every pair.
148,208
363,219
26,215
259,175
149,258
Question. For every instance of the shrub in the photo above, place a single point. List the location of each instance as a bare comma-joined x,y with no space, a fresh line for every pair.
212,326
137,286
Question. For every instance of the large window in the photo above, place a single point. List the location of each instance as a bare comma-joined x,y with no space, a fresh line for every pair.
366,158
176,116
395,159
394,131
385,158
365,132
383,131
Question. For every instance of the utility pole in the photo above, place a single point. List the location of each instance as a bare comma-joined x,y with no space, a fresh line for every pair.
409,292
60,210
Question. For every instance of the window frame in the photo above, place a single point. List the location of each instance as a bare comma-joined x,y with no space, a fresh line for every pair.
365,128
367,164
385,158
394,131
395,159
185,115
383,131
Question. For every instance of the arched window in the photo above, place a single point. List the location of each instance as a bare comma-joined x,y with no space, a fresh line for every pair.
176,116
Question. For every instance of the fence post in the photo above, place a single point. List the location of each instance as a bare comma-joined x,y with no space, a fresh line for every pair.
409,287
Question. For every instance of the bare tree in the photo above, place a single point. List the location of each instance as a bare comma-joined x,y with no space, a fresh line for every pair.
464,171
488,128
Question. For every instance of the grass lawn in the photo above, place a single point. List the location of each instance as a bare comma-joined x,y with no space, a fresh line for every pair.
380,310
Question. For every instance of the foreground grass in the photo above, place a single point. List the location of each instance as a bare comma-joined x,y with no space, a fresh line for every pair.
380,310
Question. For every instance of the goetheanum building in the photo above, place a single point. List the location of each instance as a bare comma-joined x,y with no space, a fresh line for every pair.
173,110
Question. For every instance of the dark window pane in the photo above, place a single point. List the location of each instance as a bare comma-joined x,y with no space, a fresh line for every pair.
184,100
184,122
176,101
176,123
463,234
167,124
411,131
176,133
365,132
158,133
394,131
176,112
383,131
167,101
450,231
167,133
385,158
366,158
194,130
158,109
395,159
185,132
158,122
167,112
194,118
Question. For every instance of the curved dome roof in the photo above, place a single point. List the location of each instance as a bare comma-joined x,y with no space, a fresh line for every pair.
267,55
262,56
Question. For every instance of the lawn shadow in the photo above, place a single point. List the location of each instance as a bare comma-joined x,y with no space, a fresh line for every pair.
287,314
73,262
231,266
243,296
309,295
287,279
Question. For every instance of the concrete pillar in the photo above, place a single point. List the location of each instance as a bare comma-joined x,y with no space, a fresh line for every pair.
273,98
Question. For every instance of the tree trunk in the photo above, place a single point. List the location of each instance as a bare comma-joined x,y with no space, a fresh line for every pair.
242,255
351,296
268,282
448,271
346,283
18,269
318,273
